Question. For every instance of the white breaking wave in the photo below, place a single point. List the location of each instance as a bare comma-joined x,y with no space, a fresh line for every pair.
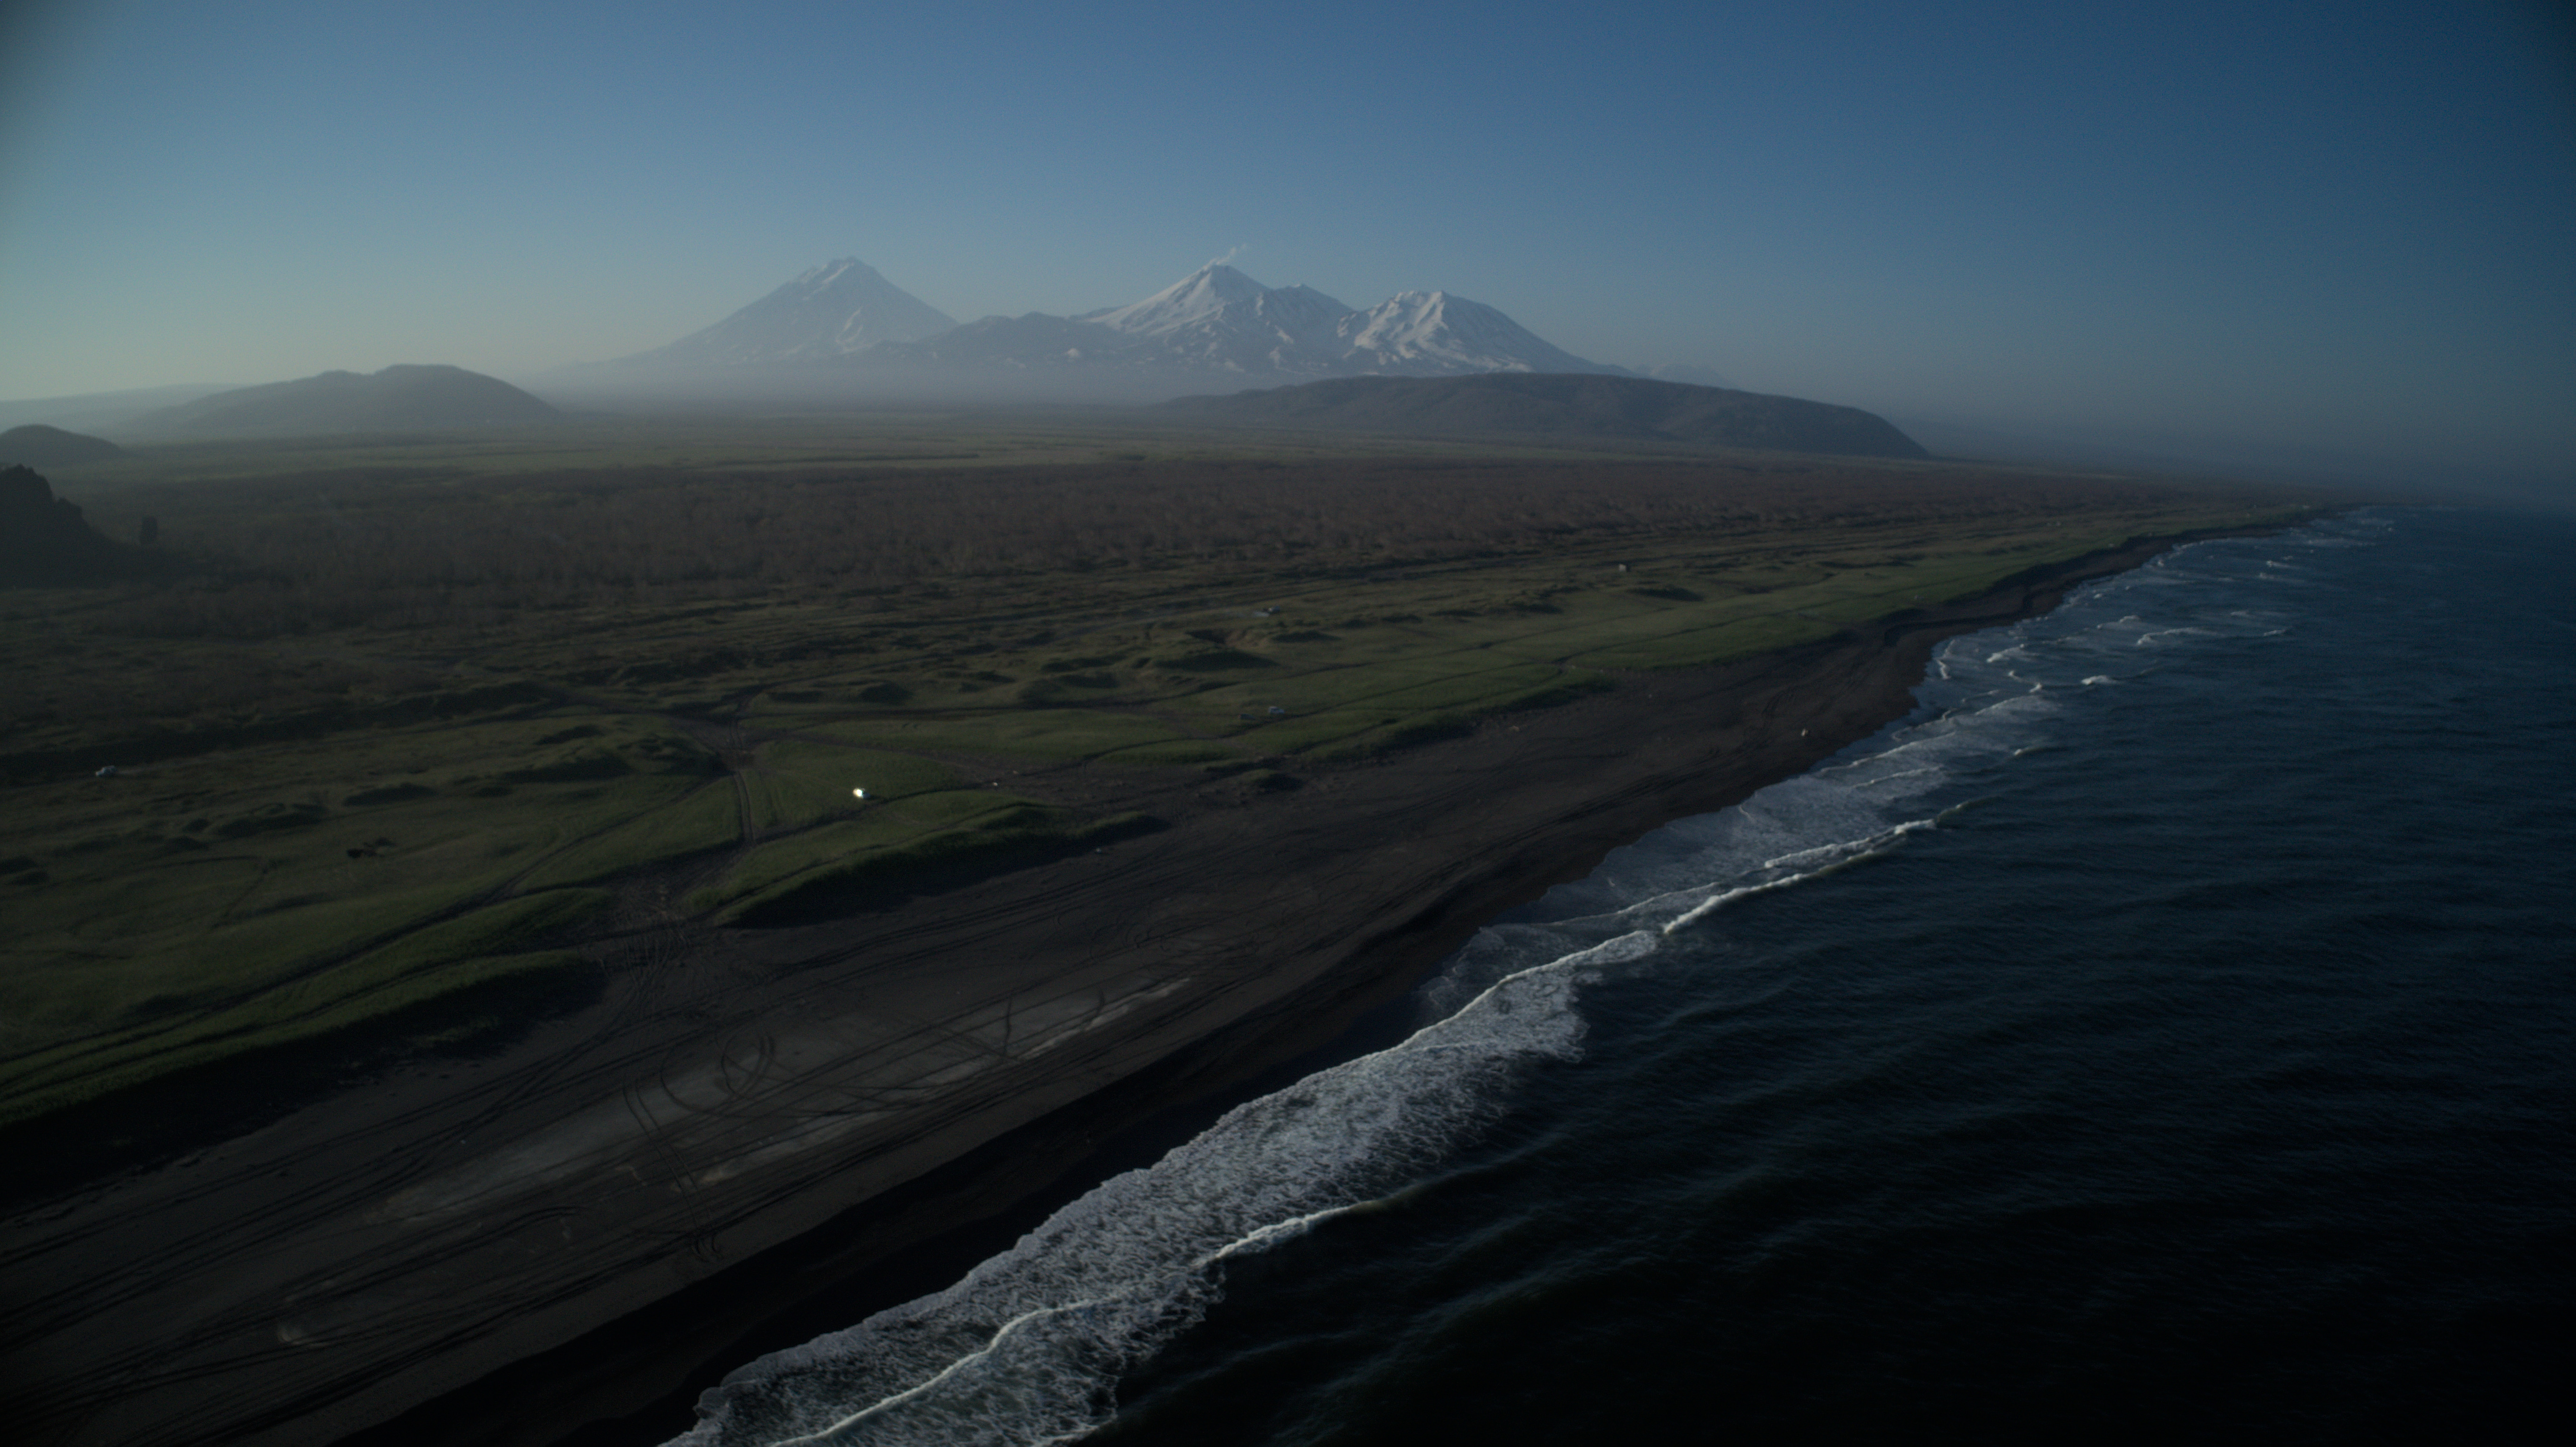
1027,1347
1030,1346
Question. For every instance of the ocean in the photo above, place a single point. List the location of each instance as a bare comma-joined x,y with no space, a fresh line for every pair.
2163,1031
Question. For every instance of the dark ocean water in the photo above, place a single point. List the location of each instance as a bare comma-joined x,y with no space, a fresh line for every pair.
2168,1031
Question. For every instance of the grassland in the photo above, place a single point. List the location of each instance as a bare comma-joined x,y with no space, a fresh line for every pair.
429,720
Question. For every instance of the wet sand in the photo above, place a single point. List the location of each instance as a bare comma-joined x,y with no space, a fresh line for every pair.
507,1249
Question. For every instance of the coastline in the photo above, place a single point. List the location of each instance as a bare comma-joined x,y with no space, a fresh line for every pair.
619,1204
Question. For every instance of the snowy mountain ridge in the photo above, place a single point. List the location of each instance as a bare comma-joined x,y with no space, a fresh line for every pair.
1216,320
1219,318
836,310
1434,334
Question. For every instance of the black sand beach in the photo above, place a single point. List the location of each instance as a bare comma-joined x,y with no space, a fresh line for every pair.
555,1236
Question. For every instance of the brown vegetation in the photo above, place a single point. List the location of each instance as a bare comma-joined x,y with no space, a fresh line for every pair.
400,553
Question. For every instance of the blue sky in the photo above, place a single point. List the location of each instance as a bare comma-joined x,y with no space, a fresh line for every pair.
2344,226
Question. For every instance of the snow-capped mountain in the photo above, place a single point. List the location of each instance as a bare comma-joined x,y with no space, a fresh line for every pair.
831,312
1215,324
1434,334
1219,318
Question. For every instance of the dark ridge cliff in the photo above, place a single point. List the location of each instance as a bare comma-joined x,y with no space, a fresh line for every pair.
1565,406
44,540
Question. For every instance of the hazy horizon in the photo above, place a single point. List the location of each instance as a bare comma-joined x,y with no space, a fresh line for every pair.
2341,232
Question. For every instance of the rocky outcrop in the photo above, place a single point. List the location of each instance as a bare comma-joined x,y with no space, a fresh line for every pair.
44,540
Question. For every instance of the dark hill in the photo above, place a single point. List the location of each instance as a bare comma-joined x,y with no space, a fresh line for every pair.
37,445
1566,406
393,400
45,540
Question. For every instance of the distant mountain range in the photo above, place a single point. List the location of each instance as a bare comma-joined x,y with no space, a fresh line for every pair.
1215,322
1558,407
96,412
393,400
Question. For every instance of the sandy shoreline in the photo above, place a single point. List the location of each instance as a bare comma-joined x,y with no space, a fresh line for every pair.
504,1250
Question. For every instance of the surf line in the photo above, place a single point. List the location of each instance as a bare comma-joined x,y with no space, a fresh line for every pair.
1876,846
1192,1281
1189,1280
1196,1279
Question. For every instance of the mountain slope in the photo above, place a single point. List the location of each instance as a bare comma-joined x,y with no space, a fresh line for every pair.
833,311
1697,376
395,399
1559,406
1034,342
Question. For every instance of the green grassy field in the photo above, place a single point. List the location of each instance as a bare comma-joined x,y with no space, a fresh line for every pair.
429,715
